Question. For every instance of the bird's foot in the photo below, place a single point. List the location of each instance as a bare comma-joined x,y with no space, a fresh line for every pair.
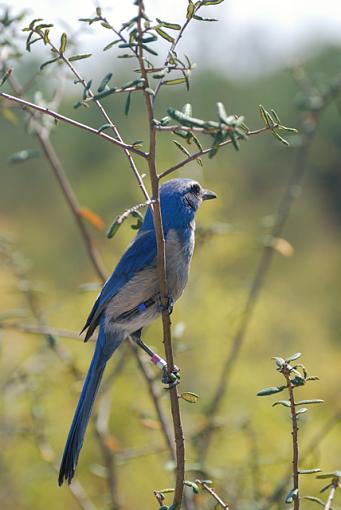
170,378
167,307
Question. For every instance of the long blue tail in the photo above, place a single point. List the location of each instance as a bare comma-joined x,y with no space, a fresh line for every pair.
104,349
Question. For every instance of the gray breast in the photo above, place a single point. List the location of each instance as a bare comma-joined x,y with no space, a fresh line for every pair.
178,257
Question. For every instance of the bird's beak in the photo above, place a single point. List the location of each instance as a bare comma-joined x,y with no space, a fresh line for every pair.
208,195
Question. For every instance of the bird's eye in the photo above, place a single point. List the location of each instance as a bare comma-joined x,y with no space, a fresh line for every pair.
195,189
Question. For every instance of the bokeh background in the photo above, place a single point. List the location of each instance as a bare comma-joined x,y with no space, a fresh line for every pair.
253,56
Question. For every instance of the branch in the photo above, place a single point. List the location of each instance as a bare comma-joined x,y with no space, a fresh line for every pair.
161,265
208,489
309,129
203,152
286,372
71,122
99,105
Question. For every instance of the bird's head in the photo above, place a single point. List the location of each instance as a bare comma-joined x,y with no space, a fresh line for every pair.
180,199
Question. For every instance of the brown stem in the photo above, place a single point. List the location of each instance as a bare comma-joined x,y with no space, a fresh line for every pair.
295,452
208,489
161,264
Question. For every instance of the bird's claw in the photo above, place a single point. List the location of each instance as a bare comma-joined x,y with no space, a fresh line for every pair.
171,378
167,307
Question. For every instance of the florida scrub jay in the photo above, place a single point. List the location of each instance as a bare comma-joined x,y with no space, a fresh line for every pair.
130,298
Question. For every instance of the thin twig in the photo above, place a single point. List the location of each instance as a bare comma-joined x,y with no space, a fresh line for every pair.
334,486
308,449
72,122
204,436
295,451
99,105
204,152
208,489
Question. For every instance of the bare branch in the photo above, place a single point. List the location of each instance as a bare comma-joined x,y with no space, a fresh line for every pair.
71,122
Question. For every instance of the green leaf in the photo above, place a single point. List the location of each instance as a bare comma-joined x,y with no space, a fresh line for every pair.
293,357
331,474
110,45
21,156
291,496
104,127
301,411
190,10
270,391
104,82
212,2
98,11
113,229
48,62
200,18
279,361
175,81
182,148
105,93
285,403
190,397
149,50
193,486
164,35
63,43
106,25
315,500
308,471
79,57
127,105
312,401
166,24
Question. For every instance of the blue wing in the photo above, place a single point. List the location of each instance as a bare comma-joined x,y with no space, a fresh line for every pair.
139,255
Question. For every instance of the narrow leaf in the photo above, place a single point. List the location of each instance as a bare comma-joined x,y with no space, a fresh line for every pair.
166,24
270,391
104,82
190,397
312,401
127,105
63,42
164,35
182,148
110,45
200,18
308,471
285,403
48,62
315,500
190,10
176,81
80,57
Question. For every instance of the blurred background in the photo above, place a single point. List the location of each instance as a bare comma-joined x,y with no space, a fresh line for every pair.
285,57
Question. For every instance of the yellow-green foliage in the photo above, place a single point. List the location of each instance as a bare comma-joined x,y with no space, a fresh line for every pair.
298,309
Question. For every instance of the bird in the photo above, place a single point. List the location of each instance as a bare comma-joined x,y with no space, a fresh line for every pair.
130,298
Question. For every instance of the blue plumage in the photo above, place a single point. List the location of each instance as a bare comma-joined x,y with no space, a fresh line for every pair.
129,300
